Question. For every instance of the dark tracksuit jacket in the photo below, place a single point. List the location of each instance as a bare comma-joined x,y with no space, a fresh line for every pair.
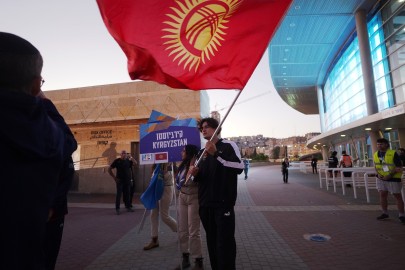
217,190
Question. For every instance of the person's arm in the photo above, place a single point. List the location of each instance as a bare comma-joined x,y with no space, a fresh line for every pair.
229,156
133,161
110,172
398,164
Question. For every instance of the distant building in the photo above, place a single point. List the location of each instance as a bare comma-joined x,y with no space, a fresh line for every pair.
292,147
344,61
216,115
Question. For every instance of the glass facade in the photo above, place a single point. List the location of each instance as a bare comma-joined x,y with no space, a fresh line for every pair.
393,16
343,94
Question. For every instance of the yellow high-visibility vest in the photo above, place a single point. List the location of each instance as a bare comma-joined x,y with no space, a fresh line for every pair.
387,161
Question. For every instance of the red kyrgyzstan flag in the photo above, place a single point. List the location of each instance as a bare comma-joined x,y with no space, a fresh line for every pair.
194,44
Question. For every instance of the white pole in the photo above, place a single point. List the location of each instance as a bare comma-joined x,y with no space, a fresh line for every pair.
216,131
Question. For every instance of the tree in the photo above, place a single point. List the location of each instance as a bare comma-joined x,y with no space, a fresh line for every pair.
275,152
254,152
261,157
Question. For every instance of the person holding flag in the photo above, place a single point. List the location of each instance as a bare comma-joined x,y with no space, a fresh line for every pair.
188,218
217,177
158,197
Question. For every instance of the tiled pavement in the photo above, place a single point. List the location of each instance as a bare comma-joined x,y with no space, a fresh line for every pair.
273,222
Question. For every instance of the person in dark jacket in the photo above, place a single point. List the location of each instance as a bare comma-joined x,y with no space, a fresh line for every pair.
314,165
284,170
332,163
401,154
122,178
56,218
217,177
34,143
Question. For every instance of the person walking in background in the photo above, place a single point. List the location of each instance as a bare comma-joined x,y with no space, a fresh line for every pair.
217,177
284,170
162,207
35,143
314,165
389,172
332,163
122,180
188,217
246,164
401,153
346,161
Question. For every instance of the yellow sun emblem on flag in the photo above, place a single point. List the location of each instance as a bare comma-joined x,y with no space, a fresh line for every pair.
196,30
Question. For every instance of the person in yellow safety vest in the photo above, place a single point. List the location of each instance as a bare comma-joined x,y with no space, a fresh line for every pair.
389,172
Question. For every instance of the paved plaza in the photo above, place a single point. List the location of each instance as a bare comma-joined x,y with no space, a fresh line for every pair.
278,226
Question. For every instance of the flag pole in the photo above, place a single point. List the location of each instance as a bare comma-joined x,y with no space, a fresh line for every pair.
216,132
142,221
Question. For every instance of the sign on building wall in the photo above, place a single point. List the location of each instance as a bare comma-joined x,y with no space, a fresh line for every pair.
163,138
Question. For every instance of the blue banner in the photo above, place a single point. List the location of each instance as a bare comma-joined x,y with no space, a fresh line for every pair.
162,142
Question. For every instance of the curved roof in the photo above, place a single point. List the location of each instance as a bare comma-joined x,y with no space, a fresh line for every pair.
305,45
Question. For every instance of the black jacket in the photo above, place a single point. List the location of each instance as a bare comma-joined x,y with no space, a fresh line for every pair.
218,176
34,142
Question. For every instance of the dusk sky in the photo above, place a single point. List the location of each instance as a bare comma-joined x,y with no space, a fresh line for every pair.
78,51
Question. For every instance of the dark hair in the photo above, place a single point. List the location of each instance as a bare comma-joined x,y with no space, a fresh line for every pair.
383,140
334,153
20,62
211,122
191,151
343,152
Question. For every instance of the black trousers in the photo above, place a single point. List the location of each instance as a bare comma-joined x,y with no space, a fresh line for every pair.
219,226
285,176
314,169
53,239
123,189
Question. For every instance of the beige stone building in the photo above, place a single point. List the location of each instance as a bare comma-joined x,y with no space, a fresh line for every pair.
105,119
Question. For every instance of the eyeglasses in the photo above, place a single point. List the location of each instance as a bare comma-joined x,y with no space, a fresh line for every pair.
42,82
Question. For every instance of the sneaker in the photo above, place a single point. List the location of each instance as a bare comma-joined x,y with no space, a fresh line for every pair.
117,211
130,210
383,216
402,219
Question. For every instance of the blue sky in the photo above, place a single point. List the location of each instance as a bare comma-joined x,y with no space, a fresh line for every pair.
78,51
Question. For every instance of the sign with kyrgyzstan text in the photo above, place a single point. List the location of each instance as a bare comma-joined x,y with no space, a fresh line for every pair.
163,138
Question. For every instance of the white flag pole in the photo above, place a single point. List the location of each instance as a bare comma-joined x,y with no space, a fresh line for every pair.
216,130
